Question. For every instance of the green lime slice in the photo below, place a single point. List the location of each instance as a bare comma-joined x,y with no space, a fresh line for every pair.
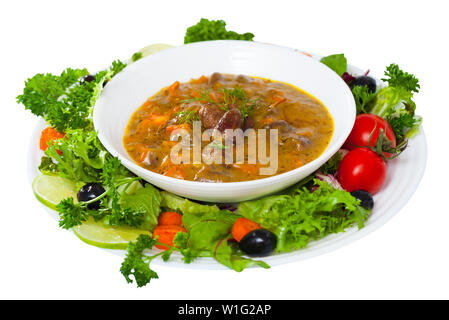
153,48
50,190
100,235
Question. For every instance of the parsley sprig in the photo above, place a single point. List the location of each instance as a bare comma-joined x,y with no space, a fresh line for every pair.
65,101
399,78
235,97
187,116
362,96
395,102
137,263
213,30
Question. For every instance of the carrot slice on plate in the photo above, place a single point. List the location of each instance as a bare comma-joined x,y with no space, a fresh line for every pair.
242,226
170,218
166,235
48,135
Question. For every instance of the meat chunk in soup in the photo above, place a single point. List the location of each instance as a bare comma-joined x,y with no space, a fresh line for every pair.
210,114
232,119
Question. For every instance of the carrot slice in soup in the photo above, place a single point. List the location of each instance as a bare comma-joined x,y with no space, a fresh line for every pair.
202,79
158,119
172,90
175,172
248,167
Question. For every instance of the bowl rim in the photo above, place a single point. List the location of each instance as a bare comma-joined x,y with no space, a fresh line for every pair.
333,148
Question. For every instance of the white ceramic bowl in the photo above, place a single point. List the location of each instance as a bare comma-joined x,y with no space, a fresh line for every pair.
136,83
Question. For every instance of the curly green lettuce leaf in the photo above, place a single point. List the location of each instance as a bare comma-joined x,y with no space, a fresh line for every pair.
66,101
87,146
390,100
305,215
70,166
206,30
362,96
395,77
45,95
79,156
395,102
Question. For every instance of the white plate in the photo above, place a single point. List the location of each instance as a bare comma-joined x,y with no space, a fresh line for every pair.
403,177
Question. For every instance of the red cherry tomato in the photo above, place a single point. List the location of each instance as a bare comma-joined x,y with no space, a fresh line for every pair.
363,127
362,169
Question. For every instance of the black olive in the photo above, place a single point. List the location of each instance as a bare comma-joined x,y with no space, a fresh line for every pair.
366,199
258,243
90,191
364,81
88,78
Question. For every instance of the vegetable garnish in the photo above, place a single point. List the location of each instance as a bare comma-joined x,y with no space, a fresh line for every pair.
65,101
231,98
331,166
238,98
366,132
213,30
166,234
242,227
187,116
336,62
362,96
170,218
305,215
401,79
93,191
362,169
49,135
235,97
393,102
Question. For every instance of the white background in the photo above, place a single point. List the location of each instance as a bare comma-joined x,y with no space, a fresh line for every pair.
406,258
